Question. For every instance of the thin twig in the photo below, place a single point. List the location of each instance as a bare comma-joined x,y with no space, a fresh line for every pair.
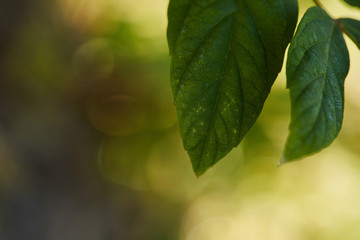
319,4
341,26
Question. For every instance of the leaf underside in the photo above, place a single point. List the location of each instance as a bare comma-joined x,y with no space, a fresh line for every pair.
317,64
226,55
352,29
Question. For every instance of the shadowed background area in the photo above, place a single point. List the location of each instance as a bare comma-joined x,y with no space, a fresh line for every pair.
90,147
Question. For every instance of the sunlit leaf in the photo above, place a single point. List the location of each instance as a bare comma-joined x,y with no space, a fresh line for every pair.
226,55
318,62
352,29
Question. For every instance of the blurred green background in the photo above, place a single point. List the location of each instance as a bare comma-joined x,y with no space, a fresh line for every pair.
90,147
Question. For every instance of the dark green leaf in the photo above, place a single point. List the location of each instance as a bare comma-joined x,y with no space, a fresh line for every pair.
318,62
352,28
355,3
177,12
226,55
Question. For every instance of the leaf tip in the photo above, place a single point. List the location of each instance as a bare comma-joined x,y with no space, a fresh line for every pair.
282,161
199,172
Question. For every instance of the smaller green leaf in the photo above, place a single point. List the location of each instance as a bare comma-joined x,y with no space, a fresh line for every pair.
352,28
317,64
355,3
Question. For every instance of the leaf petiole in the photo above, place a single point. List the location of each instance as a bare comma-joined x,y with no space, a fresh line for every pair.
319,4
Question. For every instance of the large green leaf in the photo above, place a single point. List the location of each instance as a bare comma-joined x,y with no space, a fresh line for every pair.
317,64
352,28
177,13
355,3
226,55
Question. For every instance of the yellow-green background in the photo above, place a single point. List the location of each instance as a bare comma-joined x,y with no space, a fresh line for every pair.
90,147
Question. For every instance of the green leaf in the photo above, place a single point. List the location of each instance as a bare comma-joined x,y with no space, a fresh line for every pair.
226,55
355,3
317,64
177,12
352,28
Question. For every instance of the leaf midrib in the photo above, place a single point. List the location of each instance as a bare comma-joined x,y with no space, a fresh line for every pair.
216,102
221,81
333,26
196,51
330,39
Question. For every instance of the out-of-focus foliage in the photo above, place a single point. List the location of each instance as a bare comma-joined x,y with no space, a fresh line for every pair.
90,148
355,3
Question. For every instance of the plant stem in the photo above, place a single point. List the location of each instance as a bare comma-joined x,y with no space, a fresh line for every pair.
319,4
339,24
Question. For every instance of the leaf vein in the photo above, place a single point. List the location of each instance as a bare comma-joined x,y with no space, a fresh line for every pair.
196,50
